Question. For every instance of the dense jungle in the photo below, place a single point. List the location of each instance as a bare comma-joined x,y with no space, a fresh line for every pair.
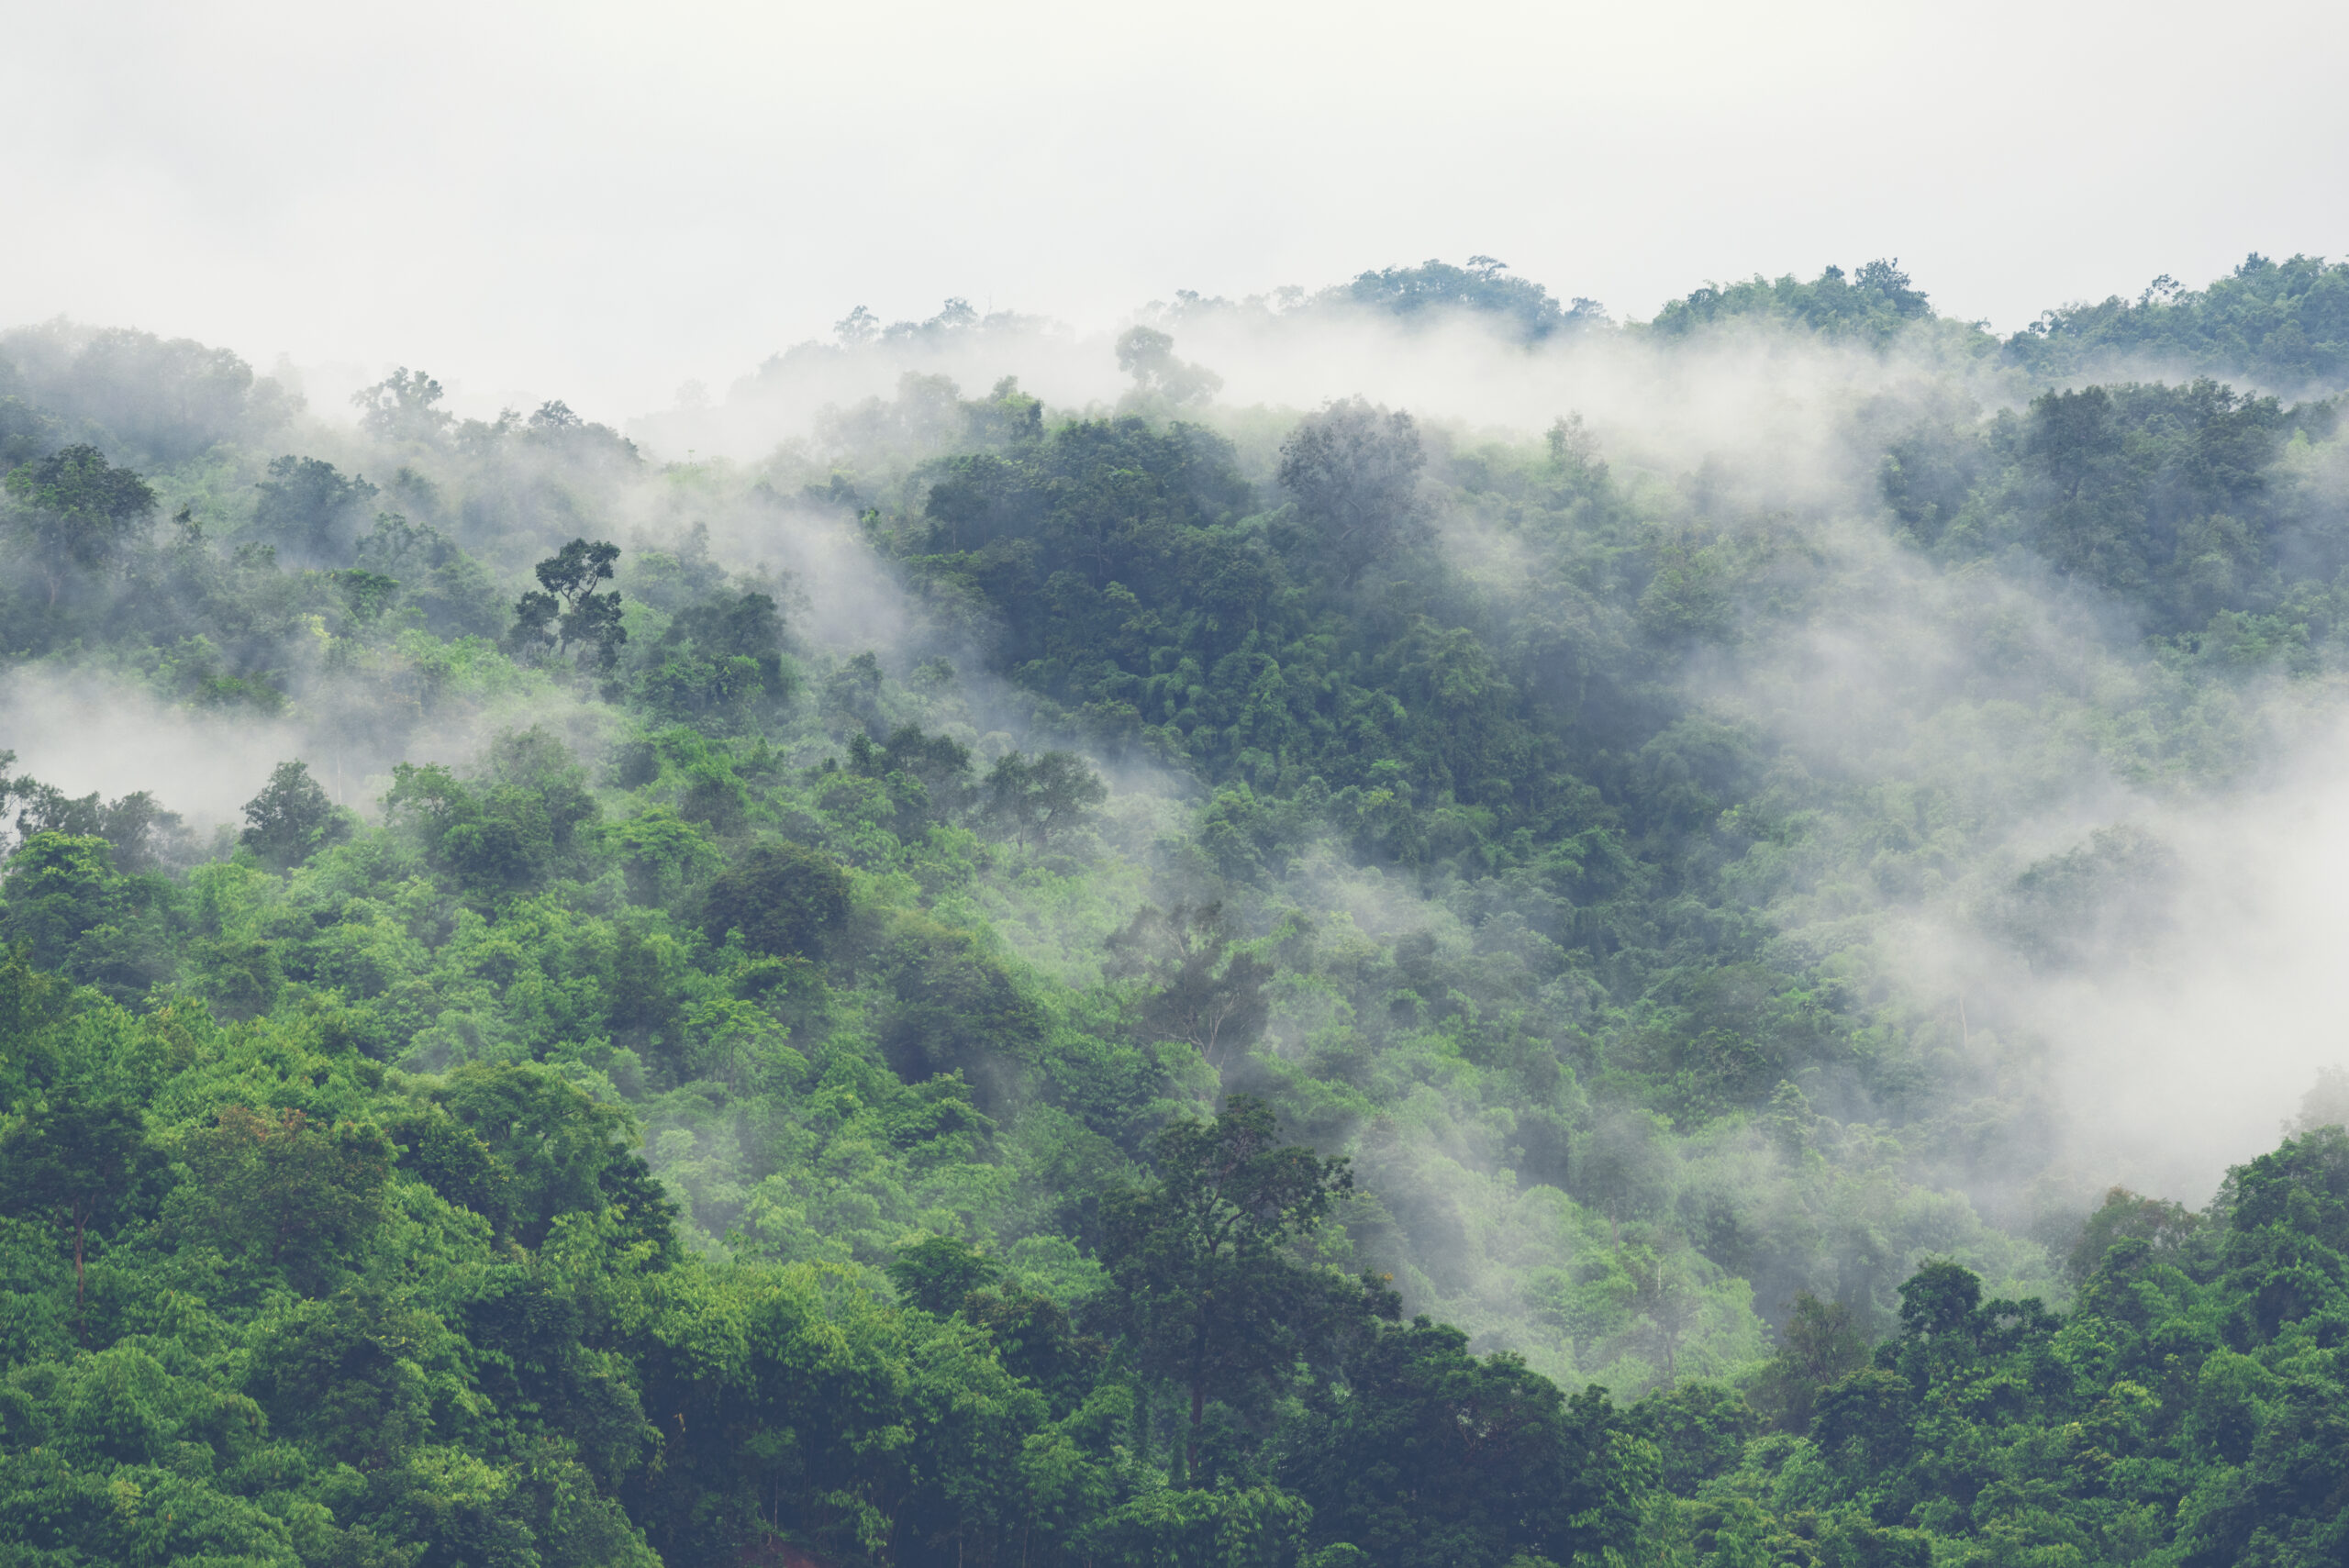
945,959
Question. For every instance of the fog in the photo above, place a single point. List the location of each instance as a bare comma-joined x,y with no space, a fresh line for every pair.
601,203
881,607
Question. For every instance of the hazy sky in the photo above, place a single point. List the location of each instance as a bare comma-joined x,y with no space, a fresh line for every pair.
598,202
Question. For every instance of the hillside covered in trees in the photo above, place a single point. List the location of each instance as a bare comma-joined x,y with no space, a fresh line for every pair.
1147,974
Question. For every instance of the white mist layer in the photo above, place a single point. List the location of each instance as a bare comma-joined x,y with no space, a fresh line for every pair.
1982,691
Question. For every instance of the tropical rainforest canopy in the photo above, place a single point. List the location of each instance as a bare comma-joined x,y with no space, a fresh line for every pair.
1160,979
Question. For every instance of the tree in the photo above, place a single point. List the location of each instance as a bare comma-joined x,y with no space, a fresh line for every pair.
400,407
1939,1300
786,899
1207,991
310,510
1699,1430
1042,795
1819,1347
1354,470
936,1272
1147,356
2124,1214
136,824
294,1192
1205,1283
73,510
568,610
1437,1458
506,829
558,1153
61,888
292,820
928,776
1437,289
72,1156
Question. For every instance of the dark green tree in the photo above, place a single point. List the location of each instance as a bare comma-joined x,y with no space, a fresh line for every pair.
292,818
61,888
71,1156
568,611
72,511
1206,1284
294,1192
1819,1346
786,899
936,1272
1438,1458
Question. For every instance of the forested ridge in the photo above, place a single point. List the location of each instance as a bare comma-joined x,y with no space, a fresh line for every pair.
1160,981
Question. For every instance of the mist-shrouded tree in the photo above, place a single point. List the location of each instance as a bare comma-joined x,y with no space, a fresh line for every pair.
1148,355
72,511
567,611
310,511
556,424
401,407
928,776
1354,470
1042,795
26,433
1819,1347
452,591
1207,1285
136,824
1204,990
1437,289
292,818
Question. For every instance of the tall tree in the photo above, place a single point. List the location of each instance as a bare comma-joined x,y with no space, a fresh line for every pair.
72,1156
1354,470
73,511
1207,1285
292,820
568,610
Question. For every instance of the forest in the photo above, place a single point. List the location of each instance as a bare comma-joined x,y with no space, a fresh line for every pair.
1586,945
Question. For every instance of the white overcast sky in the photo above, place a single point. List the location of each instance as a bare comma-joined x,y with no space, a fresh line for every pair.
598,202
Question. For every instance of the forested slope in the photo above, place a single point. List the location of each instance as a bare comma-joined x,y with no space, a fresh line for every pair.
1163,980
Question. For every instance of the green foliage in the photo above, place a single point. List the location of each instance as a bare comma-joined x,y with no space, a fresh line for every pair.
1439,1457
761,1107
1041,797
309,511
72,511
1873,304
2279,323
786,900
1204,1284
1436,289
566,608
292,820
